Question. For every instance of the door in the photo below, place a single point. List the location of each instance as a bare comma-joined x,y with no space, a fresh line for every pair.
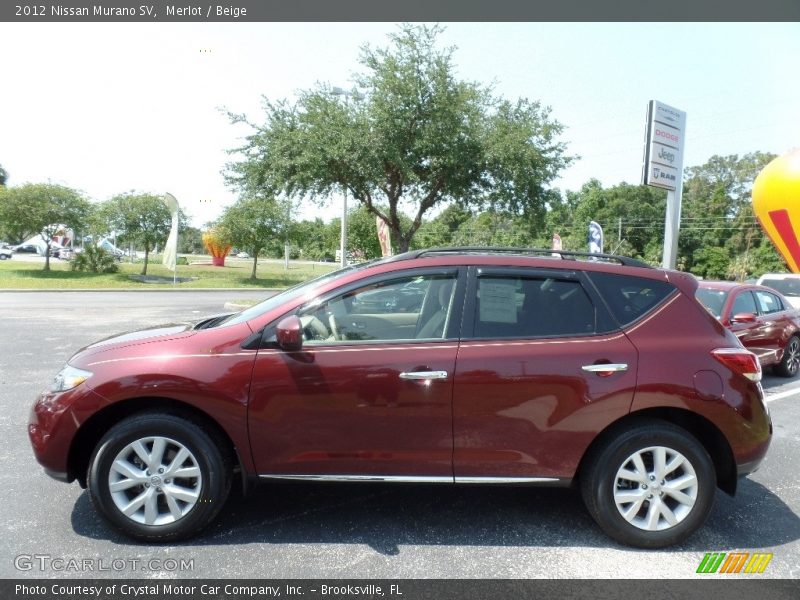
370,393
542,371
754,335
773,318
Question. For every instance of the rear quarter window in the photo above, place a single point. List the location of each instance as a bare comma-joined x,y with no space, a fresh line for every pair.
629,297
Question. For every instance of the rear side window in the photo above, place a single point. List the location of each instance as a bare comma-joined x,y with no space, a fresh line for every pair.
532,307
630,297
787,287
769,303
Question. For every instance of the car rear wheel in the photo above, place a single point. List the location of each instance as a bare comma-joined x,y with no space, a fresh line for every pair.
158,477
790,363
651,486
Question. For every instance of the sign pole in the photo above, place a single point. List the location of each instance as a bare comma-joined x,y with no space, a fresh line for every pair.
672,225
663,168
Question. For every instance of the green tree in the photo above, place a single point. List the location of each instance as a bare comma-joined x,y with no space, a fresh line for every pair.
418,138
441,231
190,241
253,224
717,212
3,176
362,232
42,208
315,240
143,219
632,217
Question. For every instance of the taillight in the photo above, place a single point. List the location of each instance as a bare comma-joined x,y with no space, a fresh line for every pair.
739,361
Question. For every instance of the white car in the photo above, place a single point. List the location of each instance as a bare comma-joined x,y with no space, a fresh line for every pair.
243,255
6,253
787,284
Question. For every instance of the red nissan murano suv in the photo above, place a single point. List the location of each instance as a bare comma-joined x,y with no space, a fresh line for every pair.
456,365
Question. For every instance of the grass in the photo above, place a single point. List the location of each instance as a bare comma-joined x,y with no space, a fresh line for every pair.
18,274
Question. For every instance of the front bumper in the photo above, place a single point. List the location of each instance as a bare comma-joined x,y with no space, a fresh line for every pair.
53,422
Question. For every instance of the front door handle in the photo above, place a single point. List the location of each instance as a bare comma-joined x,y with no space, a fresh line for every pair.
605,370
423,375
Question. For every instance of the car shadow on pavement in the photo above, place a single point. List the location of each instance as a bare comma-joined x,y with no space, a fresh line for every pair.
387,517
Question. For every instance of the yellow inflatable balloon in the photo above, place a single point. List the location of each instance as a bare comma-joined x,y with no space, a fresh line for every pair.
776,203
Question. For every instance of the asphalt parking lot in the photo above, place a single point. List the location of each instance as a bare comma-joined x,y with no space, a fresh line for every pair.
344,531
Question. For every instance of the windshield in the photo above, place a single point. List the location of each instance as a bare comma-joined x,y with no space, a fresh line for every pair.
713,300
787,287
287,295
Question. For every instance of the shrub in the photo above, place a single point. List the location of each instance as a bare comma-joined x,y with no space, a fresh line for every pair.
94,260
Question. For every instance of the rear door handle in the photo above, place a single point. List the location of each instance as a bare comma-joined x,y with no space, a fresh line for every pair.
422,375
605,369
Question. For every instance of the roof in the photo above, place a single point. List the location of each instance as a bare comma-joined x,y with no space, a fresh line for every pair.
525,252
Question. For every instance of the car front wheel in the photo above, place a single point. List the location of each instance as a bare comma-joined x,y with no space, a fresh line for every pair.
158,477
651,486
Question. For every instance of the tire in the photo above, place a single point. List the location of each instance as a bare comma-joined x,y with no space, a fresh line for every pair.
790,363
163,508
3,256
669,509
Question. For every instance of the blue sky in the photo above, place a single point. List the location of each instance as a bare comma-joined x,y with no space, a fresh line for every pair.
106,108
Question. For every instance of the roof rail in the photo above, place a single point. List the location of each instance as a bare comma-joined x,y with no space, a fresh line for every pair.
546,252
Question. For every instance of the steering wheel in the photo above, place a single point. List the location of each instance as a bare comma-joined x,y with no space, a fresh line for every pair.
334,328
313,328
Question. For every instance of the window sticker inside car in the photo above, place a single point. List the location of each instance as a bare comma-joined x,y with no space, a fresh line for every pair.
498,302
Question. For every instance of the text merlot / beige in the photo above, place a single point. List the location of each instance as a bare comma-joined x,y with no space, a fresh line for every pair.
213,10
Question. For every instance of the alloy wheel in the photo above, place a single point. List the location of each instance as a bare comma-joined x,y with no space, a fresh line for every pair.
655,488
155,481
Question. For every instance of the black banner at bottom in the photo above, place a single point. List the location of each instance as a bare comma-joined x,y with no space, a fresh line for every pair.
399,589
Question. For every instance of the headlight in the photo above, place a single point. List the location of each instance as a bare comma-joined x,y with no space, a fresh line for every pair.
68,378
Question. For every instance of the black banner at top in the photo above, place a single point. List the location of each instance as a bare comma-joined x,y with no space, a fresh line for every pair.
68,11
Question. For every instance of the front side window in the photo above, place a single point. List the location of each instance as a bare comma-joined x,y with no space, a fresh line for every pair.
408,308
744,303
532,307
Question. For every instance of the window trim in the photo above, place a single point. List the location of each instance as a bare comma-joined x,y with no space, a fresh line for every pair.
453,325
471,298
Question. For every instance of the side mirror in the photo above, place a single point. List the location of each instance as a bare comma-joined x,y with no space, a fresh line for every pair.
743,318
290,334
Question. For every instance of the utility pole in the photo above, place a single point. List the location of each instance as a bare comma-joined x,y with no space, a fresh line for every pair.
355,95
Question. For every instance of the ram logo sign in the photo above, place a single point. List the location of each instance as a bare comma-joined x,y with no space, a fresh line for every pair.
734,562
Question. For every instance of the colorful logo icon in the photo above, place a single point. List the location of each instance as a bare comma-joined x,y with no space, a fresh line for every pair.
734,562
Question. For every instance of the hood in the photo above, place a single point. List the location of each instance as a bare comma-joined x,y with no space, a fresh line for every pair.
142,336
159,333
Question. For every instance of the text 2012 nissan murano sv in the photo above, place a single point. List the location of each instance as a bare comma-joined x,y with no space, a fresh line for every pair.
491,366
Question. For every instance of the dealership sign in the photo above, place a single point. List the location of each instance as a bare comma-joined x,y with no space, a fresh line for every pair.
663,148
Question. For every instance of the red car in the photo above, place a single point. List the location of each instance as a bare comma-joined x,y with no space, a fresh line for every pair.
519,367
763,320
